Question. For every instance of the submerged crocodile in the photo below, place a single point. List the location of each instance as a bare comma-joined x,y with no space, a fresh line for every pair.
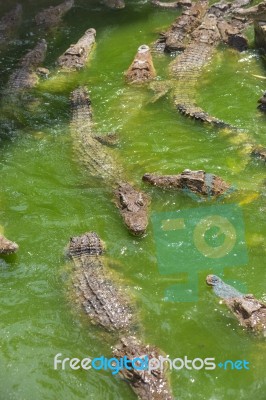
25,76
51,16
107,305
6,246
147,385
199,30
250,312
100,161
9,22
198,182
142,69
76,56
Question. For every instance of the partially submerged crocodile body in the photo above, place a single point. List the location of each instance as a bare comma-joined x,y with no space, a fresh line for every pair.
187,68
25,76
250,312
76,56
147,385
7,246
198,30
51,17
142,69
9,22
107,305
100,161
198,182
102,299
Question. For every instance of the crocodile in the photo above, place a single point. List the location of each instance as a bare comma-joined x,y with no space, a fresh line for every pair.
7,246
177,36
76,56
9,22
186,69
198,182
198,31
51,16
100,161
25,76
250,312
147,385
102,300
141,70
188,66
107,305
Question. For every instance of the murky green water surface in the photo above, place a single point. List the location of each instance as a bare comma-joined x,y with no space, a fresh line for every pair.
47,196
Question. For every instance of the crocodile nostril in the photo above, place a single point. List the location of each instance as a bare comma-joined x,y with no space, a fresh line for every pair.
143,48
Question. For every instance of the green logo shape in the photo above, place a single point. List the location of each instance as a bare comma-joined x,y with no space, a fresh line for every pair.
194,239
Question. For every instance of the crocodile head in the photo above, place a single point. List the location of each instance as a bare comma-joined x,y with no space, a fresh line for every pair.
146,385
250,312
222,289
142,69
87,244
6,246
133,206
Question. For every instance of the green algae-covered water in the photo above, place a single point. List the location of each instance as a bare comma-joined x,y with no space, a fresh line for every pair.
47,196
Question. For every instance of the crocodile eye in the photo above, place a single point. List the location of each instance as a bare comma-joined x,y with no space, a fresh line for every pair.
215,279
212,280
